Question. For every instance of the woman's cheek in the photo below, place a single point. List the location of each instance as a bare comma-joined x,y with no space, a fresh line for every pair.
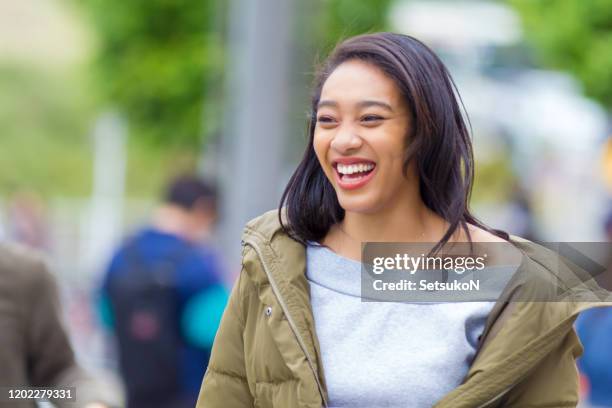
317,144
321,147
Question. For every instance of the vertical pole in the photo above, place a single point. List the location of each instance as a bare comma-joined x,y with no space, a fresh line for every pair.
257,107
104,216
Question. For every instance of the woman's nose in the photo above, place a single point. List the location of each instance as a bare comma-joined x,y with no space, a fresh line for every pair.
346,140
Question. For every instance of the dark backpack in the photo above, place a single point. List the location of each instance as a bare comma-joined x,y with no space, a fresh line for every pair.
145,304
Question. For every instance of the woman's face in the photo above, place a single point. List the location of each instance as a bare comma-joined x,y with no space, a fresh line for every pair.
360,137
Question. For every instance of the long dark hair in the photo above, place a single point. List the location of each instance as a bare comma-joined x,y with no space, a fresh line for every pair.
439,141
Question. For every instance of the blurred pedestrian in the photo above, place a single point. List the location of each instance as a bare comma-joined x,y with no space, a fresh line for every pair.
34,347
165,299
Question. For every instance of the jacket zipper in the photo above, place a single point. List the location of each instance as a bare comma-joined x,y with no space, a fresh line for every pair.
289,318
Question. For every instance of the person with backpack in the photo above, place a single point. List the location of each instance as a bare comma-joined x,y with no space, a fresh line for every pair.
162,295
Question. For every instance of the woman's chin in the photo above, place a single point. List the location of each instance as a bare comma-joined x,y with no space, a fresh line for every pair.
360,205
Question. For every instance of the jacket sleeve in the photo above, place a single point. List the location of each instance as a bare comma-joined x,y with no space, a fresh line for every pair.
554,383
225,382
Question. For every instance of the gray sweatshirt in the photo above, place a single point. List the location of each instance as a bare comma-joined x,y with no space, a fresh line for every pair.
384,354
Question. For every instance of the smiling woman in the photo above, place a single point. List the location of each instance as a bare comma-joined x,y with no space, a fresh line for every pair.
385,106
389,159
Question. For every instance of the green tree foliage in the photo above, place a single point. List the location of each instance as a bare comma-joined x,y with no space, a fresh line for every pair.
157,60
44,121
161,61
574,35
346,18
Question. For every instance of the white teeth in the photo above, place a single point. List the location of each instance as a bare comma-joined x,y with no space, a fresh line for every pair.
354,168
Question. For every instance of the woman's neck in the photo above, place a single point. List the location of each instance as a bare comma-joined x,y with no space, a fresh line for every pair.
405,223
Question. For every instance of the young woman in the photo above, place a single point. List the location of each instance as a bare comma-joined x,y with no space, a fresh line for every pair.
389,159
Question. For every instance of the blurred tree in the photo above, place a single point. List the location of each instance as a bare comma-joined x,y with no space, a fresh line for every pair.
159,61
341,19
44,115
574,35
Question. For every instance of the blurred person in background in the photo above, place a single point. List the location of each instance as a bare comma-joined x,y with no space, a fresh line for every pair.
34,347
595,331
163,297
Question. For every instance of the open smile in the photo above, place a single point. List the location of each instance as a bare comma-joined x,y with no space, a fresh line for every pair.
353,173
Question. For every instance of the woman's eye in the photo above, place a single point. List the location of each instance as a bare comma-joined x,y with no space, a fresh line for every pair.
371,118
326,119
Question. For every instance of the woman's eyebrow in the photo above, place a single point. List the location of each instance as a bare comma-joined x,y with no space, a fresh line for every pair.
360,105
331,104
367,104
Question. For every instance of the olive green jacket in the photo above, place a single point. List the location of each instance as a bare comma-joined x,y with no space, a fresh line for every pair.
266,352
